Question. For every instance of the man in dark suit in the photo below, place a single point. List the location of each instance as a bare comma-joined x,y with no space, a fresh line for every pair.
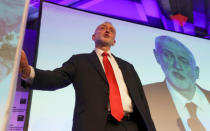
103,102
169,100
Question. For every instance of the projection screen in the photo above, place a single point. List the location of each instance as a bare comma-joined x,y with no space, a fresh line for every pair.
66,31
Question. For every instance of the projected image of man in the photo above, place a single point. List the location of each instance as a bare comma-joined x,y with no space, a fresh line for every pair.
178,95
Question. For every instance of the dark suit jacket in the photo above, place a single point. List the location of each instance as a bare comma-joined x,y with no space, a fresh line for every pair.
162,108
92,90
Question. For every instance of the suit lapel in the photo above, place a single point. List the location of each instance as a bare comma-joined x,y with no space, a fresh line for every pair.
171,108
131,90
206,93
120,64
122,68
96,63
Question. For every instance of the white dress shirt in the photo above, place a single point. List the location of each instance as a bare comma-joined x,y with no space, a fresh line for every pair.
126,100
199,99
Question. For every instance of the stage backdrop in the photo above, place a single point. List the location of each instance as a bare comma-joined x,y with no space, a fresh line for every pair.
13,16
65,31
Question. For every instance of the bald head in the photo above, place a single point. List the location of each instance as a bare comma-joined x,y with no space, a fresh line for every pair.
170,42
104,36
106,23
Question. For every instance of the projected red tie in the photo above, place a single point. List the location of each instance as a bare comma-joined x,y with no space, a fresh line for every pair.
114,93
193,122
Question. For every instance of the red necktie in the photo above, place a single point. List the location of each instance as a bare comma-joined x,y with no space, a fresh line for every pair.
114,93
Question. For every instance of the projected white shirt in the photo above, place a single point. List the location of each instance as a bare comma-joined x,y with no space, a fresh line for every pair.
203,107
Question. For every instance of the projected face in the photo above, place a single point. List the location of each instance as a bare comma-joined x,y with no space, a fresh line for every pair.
177,62
104,35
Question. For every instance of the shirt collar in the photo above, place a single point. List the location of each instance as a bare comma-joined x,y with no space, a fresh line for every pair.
180,101
99,52
200,99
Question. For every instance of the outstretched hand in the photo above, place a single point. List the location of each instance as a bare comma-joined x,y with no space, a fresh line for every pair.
24,68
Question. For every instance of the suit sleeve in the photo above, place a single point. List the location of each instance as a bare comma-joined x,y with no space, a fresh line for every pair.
56,79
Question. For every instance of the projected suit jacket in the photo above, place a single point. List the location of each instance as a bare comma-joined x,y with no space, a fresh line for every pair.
162,108
92,90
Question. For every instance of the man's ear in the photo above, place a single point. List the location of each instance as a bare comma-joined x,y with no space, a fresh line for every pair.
157,57
114,42
197,72
93,37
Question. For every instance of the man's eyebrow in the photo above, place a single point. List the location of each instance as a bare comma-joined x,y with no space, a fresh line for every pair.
167,49
103,25
112,28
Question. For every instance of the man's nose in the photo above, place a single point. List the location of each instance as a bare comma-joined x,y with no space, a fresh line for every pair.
177,64
107,31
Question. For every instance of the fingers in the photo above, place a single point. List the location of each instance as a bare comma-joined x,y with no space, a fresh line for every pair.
24,66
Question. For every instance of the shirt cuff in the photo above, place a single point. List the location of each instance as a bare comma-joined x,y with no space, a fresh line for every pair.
31,76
